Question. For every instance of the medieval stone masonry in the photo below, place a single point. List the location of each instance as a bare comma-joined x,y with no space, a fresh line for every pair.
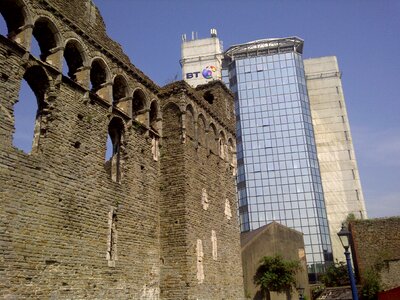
153,221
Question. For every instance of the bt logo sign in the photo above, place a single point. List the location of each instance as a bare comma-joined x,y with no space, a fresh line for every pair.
207,73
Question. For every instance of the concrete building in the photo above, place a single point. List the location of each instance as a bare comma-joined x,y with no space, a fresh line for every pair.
156,220
330,132
336,156
270,240
201,58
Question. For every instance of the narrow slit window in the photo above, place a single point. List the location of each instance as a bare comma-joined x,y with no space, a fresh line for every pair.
28,110
111,255
346,135
114,155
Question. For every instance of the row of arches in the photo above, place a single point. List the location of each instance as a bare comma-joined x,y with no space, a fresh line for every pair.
69,55
195,126
206,135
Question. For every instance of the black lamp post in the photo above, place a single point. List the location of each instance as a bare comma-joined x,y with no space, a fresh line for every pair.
344,235
300,290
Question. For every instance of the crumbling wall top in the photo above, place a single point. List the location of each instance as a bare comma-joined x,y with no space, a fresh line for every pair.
85,18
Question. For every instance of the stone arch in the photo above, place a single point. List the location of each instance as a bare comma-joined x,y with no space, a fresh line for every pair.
154,116
38,81
49,40
116,132
212,139
172,124
100,79
189,122
222,145
120,92
76,61
155,128
120,88
17,19
201,130
139,104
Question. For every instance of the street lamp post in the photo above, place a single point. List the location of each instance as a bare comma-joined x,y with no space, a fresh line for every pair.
344,235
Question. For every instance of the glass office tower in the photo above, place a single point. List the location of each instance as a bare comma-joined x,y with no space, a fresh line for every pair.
278,172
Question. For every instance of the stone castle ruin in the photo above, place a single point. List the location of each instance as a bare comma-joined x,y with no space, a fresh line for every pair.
157,220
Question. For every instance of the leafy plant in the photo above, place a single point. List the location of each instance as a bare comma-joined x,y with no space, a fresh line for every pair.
276,274
371,284
317,291
336,275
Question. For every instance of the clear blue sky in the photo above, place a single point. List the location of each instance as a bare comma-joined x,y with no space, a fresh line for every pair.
364,35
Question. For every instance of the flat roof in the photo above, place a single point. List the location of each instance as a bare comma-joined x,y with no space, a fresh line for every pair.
266,46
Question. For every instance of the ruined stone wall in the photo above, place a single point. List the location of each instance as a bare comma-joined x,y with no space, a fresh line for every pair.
202,211
376,244
56,201
74,225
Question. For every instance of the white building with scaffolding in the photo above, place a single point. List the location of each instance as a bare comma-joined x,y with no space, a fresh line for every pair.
201,58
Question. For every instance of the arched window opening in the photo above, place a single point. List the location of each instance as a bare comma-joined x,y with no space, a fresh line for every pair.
154,122
138,106
222,146
35,49
14,19
189,124
28,109
120,93
98,75
45,34
172,125
3,26
115,133
73,61
25,116
120,88
212,139
209,97
109,148
201,131
98,80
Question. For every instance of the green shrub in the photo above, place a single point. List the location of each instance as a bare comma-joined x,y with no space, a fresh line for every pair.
371,284
336,275
276,274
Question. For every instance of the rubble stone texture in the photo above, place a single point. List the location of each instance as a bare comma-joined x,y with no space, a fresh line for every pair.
375,246
75,226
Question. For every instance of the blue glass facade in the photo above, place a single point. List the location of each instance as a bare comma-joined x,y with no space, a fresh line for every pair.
278,172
